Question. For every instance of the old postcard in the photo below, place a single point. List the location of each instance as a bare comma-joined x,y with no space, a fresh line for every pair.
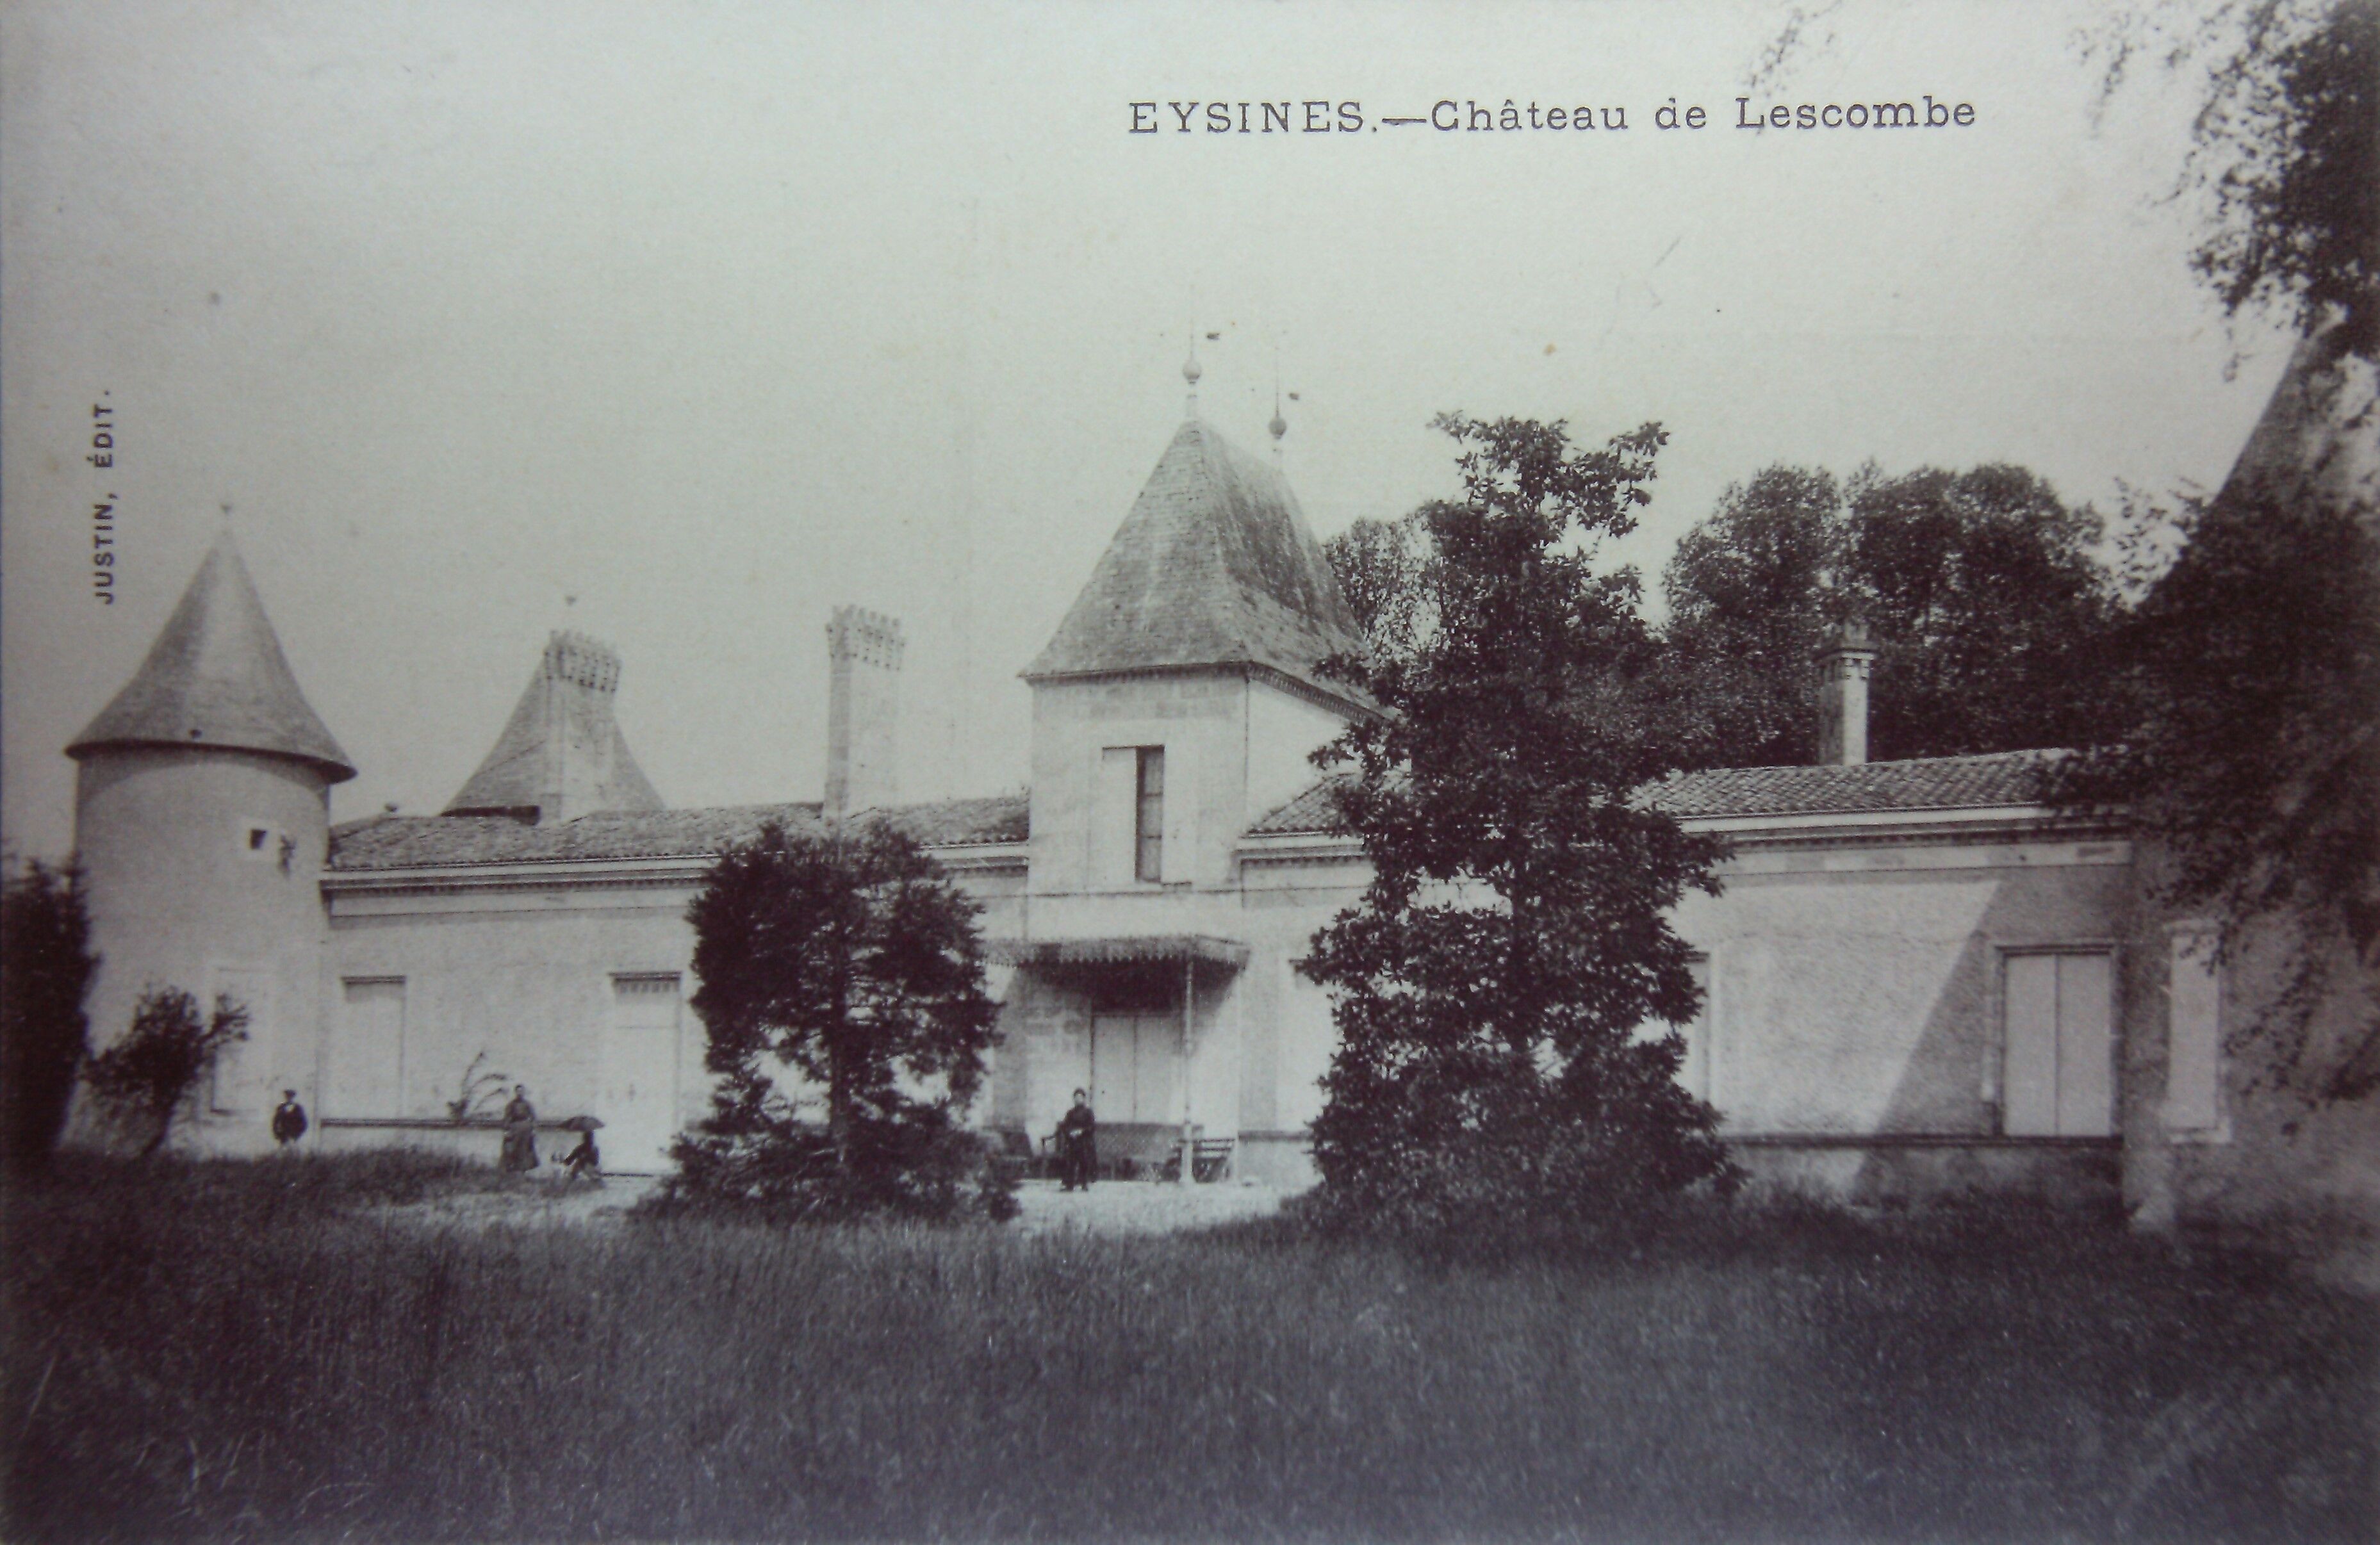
659,631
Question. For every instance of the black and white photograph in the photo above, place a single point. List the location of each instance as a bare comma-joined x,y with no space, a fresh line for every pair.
1584,769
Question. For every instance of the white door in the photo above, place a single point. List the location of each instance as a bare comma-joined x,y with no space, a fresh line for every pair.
2061,1058
1113,1065
1135,1068
637,1089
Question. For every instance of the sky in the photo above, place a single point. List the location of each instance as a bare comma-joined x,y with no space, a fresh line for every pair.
683,324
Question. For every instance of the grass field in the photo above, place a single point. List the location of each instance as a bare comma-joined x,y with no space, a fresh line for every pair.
233,1350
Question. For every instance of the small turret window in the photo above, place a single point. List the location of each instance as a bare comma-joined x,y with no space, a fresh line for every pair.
259,841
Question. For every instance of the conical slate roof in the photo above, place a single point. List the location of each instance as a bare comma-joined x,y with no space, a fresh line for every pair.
2320,433
1213,566
562,753
217,677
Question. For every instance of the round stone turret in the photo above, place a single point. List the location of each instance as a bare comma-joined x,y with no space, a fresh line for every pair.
203,824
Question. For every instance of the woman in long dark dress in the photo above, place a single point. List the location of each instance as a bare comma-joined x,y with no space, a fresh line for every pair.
520,1134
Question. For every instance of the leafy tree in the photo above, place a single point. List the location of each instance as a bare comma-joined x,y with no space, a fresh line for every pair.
2252,753
144,1079
46,971
2255,754
1990,613
1490,985
1387,570
849,961
1748,608
1994,613
2285,150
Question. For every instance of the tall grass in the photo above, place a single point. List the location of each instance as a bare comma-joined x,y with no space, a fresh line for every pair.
233,1351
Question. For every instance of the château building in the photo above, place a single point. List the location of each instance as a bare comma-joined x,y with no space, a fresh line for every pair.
1917,979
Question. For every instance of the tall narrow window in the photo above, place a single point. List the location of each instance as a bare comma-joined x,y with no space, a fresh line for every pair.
1148,816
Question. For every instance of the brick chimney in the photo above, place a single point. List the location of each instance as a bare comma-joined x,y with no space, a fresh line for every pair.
863,651
1842,695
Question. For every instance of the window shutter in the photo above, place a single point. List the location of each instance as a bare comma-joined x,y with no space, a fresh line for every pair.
2193,1069
1181,814
1111,817
2031,1109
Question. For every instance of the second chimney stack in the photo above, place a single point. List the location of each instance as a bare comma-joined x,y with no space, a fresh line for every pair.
1843,667
864,652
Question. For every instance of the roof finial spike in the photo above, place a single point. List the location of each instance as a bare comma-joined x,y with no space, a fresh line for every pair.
1191,373
1280,426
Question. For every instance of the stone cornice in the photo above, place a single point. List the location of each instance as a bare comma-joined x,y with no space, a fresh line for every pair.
1993,825
1313,692
683,871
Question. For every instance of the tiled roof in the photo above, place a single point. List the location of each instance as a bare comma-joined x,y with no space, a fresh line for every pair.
439,841
217,677
1214,565
959,822
1313,810
1930,783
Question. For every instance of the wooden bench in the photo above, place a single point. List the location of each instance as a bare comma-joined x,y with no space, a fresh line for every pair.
1134,1150
1212,1162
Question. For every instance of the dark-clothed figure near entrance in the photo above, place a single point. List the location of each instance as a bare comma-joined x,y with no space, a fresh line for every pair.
520,1134
1079,1145
288,1119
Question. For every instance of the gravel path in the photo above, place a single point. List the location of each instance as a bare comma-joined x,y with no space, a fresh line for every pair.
1108,1207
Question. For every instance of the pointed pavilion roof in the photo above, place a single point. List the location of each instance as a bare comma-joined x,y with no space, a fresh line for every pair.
217,677
2320,432
562,742
1215,565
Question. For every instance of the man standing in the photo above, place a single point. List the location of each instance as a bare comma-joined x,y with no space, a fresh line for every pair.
1079,1145
288,1119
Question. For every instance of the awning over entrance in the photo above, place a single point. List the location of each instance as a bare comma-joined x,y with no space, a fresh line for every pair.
1131,949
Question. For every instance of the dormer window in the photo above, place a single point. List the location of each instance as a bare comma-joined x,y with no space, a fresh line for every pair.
1148,816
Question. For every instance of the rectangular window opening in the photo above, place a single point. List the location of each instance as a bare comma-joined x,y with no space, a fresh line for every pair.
1148,815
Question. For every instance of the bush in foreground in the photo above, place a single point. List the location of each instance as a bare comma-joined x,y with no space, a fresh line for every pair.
841,964
767,1166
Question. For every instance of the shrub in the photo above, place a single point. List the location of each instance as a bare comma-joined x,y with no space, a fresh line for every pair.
46,971
781,1169
143,1080
849,962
